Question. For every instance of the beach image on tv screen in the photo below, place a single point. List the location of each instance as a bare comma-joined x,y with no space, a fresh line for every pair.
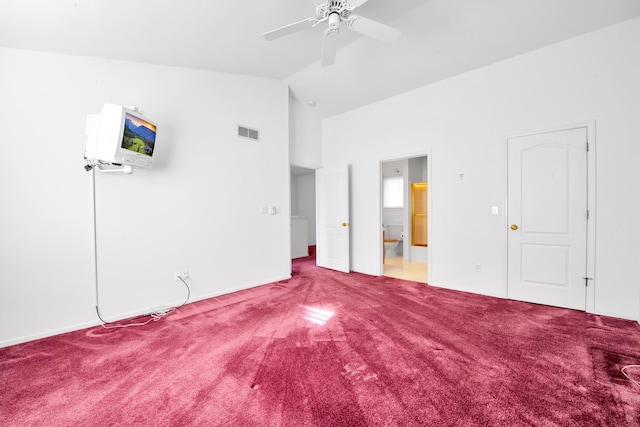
139,135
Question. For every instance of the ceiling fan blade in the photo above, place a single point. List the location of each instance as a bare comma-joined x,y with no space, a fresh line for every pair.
357,3
374,29
288,29
329,48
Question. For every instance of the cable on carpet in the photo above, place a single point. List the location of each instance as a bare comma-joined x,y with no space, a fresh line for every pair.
154,316
627,375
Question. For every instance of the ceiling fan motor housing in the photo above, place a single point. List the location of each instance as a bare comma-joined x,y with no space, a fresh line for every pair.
340,7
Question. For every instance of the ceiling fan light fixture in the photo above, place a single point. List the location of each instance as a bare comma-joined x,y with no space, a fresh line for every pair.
334,23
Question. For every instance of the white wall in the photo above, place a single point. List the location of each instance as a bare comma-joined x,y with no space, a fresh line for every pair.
305,134
307,203
294,194
197,209
303,201
464,122
305,151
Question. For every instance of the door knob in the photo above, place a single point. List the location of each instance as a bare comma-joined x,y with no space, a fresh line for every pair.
344,224
514,227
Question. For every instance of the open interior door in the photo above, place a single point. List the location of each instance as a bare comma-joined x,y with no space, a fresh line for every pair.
332,210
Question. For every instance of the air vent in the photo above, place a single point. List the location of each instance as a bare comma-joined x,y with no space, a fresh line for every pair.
246,132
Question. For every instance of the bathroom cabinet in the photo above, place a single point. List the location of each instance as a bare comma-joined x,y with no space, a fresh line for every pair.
419,214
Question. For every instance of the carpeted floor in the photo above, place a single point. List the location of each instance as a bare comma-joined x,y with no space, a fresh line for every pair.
330,349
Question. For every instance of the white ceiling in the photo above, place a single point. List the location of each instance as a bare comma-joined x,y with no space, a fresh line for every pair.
440,38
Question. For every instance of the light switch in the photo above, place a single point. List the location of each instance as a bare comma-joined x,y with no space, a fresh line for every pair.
494,210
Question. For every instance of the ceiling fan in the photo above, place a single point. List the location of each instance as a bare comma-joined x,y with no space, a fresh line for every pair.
335,12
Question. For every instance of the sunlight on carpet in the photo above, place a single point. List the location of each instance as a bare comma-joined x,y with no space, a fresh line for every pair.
331,349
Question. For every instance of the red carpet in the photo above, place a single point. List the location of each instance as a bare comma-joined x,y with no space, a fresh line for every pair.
331,349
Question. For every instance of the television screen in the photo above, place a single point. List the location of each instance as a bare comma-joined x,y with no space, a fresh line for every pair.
139,135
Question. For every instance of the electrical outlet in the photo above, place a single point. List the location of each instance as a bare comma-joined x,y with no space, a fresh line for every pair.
180,273
478,267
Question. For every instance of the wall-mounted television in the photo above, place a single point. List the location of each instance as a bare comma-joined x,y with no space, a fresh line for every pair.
120,135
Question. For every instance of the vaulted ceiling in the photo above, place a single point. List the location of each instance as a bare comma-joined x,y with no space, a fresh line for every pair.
440,38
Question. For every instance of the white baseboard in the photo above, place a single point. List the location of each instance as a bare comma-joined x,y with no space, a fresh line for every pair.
122,316
49,333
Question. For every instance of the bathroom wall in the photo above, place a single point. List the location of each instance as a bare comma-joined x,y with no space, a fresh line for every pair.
418,169
417,173
395,215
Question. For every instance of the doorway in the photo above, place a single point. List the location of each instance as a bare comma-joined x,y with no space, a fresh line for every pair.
303,211
403,254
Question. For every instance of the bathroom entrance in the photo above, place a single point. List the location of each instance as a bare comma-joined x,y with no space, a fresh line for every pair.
404,214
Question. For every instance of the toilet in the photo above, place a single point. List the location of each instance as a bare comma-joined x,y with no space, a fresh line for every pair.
390,247
392,236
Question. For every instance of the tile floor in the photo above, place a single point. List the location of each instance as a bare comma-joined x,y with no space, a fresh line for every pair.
415,271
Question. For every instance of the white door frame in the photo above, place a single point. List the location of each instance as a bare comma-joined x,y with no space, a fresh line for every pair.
590,125
429,157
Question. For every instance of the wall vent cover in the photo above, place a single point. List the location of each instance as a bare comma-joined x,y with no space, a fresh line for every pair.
246,132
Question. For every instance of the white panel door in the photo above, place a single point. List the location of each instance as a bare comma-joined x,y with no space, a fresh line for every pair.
547,217
332,207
